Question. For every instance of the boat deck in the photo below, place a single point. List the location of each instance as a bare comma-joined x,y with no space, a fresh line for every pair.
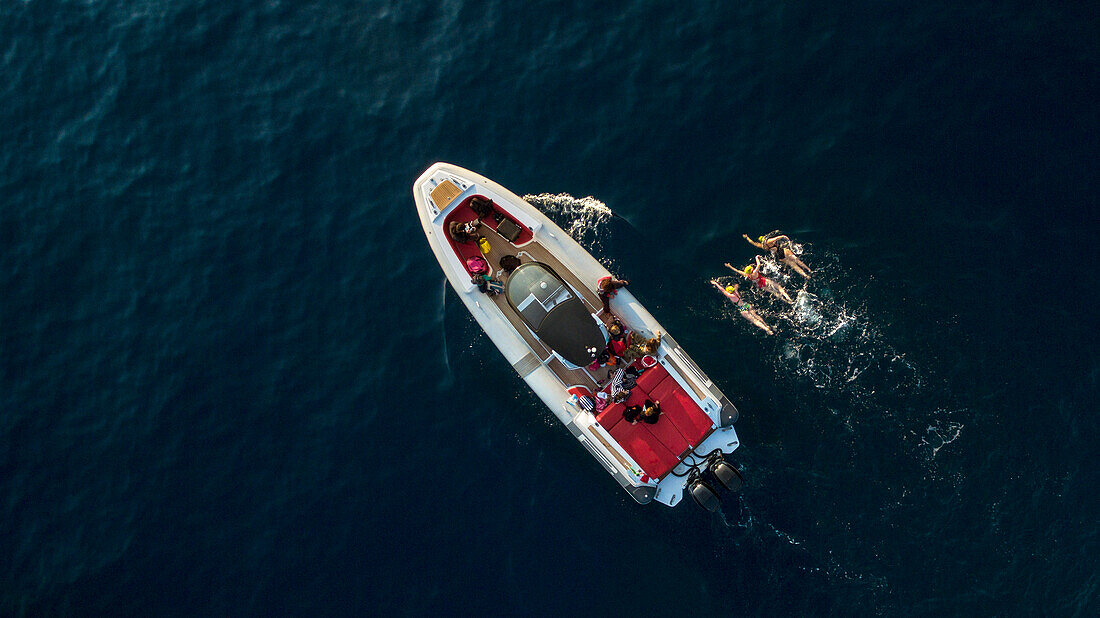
529,250
658,448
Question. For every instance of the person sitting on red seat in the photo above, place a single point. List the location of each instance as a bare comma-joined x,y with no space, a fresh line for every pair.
651,410
648,412
482,207
464,232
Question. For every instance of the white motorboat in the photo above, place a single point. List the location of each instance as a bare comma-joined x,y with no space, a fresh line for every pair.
546,318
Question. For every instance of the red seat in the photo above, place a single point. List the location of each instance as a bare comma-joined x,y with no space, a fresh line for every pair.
464,250
665,432
613,413
654,458
651,377
463,213
610,416
636,398
657,447
684,413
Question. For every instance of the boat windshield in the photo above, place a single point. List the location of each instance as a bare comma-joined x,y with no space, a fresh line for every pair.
556,315
534,290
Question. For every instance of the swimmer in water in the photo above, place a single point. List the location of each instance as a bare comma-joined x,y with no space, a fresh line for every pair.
757,278
779,245
746,309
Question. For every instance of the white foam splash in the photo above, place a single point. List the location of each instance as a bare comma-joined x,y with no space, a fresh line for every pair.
804,310
833,343
583,215
940,434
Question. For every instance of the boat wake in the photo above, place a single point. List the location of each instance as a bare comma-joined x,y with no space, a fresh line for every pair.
448,378
836,352
747,527
832,342
583,217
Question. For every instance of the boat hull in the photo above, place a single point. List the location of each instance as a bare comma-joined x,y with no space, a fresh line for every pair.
435,200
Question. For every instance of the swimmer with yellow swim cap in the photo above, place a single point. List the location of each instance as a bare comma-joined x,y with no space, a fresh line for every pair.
744,308
782,249
755,274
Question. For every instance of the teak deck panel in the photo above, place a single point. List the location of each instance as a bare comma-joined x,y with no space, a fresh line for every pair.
444,193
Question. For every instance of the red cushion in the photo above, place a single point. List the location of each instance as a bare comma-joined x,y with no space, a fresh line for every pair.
636,398
610,416
665,432
650,454
650,378
684,413
464,250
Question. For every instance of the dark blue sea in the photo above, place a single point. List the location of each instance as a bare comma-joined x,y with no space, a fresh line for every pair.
233,380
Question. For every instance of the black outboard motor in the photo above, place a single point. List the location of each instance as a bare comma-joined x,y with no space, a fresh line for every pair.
725,473
702,493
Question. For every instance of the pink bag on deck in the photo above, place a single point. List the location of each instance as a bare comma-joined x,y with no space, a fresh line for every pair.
477,265
601,401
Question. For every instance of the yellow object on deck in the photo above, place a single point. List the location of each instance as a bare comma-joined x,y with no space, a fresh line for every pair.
483,244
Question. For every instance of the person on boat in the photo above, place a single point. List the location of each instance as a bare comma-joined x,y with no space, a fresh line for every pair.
648,412
632,413
638,346
508,263
604,359
761,282
619,389
616,338
606,287
779,245
487,285
745,308
482,207
464,231
651,410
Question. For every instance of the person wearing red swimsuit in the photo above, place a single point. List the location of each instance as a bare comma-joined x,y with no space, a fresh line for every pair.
755,275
